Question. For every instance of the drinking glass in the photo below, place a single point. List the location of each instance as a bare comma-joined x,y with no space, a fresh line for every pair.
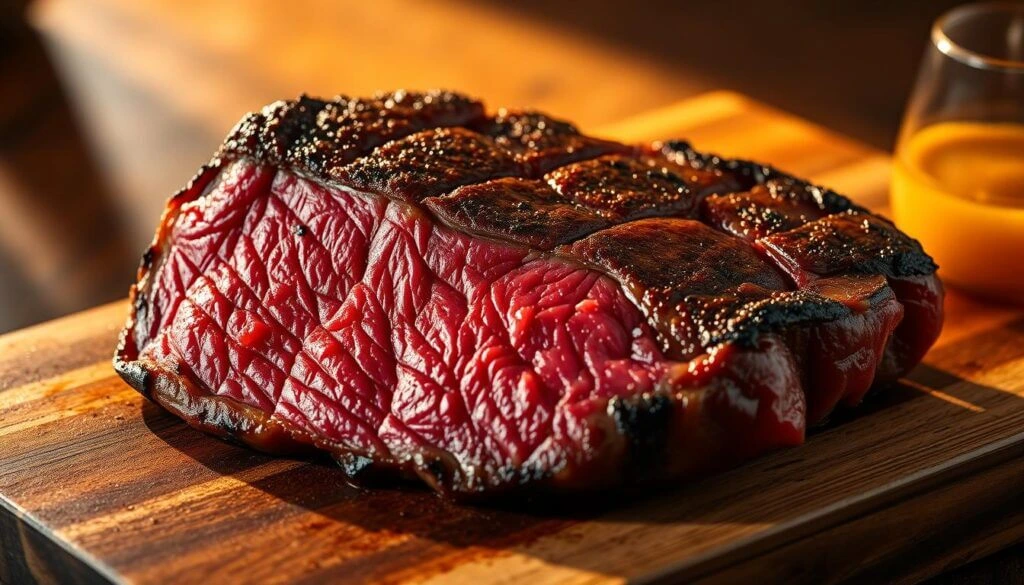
958,177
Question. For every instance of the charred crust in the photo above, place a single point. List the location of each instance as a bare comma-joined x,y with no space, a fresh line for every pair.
657,258
428,163
140,304
414,146
850,242
750,173
623,188
135,374
524,131
777,206
541,142
147,259
645,422
524,211
126,353
743,319
319,136
827,200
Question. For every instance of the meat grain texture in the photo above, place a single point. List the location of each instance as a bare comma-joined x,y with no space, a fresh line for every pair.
496,302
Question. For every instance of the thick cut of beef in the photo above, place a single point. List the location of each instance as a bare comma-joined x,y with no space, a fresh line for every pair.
497,302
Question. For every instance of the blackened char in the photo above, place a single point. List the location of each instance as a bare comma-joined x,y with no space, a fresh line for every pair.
500,302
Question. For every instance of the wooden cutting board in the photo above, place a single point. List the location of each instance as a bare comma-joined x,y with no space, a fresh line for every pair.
98,485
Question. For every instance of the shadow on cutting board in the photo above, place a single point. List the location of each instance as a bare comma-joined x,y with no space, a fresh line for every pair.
316,496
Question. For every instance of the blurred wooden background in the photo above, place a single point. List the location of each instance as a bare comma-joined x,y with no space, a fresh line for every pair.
108,106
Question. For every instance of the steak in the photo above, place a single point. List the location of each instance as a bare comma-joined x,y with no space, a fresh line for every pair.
496,302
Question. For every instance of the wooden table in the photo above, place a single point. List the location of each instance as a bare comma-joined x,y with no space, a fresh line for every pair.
96,484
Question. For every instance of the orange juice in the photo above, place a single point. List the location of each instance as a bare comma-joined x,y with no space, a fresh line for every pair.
958,187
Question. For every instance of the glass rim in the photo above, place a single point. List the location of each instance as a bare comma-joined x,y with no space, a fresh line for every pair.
950,48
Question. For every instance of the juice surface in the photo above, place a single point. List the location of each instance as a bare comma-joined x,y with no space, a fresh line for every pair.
958,187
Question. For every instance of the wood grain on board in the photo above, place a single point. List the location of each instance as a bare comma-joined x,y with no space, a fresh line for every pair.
98,485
